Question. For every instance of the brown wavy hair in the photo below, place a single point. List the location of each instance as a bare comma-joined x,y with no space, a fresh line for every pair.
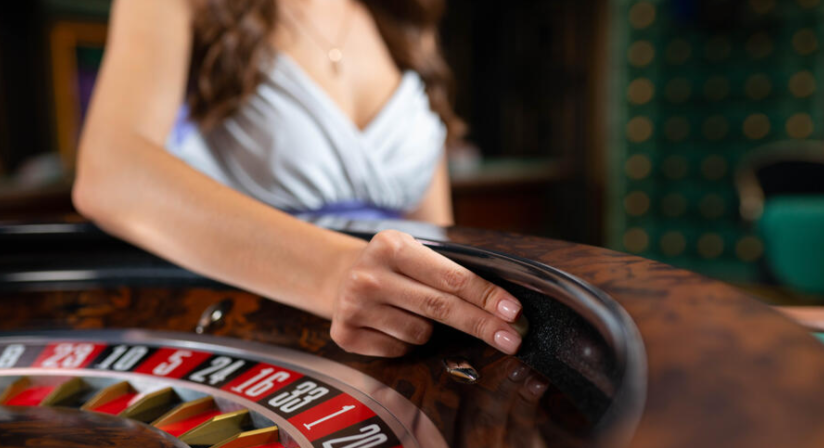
231,42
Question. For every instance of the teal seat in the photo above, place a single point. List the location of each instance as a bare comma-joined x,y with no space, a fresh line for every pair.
792,228
781,192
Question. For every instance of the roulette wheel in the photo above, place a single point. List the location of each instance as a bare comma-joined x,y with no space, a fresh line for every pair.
105,345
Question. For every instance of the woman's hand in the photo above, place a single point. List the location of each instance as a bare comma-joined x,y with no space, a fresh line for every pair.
396,287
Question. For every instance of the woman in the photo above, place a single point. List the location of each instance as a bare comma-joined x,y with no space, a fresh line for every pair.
287,97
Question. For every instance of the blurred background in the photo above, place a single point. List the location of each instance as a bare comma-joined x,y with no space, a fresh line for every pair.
687,131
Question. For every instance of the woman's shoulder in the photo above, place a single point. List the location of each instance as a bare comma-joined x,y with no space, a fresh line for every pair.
172,9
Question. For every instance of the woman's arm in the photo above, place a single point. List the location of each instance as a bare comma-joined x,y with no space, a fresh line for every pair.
436,206
132,187
380,296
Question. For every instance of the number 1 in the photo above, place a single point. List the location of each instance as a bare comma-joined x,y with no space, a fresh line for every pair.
342,410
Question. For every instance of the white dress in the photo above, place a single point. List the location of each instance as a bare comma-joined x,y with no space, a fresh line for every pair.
292,147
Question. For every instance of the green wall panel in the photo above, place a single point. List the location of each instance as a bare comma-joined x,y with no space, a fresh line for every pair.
696,87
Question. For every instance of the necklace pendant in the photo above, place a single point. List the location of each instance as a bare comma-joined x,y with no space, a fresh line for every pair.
335,57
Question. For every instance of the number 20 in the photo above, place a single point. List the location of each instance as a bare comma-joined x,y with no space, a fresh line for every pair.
369,437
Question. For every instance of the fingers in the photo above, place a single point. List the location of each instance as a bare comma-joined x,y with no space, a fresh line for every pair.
521,415
366,341
397,285
401,325
534,388
451,310
395,322
534,385
500,416
415,260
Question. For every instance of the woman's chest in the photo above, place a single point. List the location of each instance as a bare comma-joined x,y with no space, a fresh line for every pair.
340,49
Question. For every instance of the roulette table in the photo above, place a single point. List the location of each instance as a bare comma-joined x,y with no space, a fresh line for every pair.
102,344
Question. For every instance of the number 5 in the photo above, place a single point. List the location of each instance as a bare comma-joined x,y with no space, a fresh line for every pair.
175,360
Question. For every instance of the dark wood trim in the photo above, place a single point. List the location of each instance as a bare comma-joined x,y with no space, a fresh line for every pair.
723,369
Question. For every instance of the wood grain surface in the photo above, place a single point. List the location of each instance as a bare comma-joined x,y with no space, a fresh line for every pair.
43,427
723,369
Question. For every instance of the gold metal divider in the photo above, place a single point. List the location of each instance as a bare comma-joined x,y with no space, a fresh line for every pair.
108,394
249,439
186,410
218,429
153,405
13,389
65,392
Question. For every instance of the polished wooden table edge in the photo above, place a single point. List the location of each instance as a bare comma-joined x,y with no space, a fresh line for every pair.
811,317
723,368
721,364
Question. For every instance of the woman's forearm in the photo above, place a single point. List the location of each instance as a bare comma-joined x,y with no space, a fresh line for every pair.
164,206
129,185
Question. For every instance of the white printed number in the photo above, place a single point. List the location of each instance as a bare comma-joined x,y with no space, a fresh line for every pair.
175,360
123,358
221,368
261,383
304,394
68,356
10,355
343,410
369,437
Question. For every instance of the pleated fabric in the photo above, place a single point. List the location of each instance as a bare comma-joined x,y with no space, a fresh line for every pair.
291,146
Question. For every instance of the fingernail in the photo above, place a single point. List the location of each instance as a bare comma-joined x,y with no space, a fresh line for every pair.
518,373
509,309
536,387
507,342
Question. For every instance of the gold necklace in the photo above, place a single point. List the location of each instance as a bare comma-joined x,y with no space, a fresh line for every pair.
333,50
